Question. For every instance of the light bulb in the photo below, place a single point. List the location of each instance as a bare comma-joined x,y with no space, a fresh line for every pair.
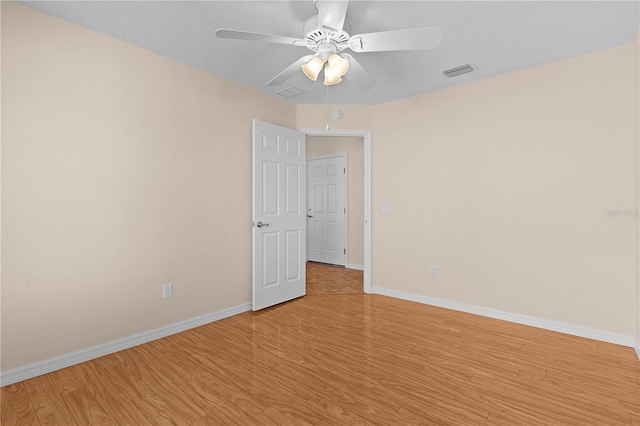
339,65
330,78
312,68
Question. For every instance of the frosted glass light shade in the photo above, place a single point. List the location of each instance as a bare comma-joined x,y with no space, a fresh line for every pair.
312,68
330,78
339,65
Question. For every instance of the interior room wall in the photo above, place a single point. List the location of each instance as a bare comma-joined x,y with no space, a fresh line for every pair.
122,170
354,117
354,148
519,189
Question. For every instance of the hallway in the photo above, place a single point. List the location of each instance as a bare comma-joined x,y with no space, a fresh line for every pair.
331,279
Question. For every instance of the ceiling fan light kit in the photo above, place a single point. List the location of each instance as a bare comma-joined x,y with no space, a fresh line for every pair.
325,35
334,68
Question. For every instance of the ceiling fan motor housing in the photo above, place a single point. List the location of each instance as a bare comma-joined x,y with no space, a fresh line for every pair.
315,36
325,50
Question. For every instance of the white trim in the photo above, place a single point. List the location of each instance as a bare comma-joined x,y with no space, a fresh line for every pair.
366,135
325,156
637,348
355,266
590,333
52,364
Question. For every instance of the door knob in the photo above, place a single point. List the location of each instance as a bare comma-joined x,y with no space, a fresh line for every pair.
309,215
260,225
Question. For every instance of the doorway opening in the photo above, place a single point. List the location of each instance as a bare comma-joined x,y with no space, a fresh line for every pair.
355,275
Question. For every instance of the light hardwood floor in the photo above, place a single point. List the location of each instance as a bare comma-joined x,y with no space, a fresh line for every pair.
339,360
330,279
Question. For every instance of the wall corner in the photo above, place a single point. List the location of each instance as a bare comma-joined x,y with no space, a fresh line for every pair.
637,185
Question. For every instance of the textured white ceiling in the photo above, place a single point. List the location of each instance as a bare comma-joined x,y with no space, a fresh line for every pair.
495,37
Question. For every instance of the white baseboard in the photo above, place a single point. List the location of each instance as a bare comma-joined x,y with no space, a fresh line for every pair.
42,367
637,348
574,330
355,266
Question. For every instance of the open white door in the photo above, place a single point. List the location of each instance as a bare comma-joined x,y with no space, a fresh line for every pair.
279,214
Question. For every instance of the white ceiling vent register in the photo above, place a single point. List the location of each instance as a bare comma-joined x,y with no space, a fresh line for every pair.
458,70
290,92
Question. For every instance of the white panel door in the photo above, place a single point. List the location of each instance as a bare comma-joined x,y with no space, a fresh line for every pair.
326,218
279,217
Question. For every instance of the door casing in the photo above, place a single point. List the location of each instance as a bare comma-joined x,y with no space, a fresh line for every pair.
366,136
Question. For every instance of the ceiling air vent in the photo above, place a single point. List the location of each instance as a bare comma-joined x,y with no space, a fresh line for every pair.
458,70
290,92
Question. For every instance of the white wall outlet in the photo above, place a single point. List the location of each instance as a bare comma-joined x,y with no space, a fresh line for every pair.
433,271
385,208
167,291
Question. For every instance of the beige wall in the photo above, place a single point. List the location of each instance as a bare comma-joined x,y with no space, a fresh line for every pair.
354,147
355,117
122,170
504,184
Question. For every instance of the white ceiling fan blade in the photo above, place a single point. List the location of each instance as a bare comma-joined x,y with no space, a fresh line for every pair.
411,39
358,75
289,71
331,14
266,38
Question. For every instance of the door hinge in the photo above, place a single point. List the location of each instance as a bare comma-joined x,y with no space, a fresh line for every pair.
345,210
345,251
345,170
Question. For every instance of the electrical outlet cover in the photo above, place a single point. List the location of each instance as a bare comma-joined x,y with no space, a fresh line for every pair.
167,291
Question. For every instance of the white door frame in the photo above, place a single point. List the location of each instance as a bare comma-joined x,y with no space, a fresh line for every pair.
366,135
344,156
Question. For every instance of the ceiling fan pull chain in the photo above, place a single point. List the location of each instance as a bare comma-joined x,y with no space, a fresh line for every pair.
327,117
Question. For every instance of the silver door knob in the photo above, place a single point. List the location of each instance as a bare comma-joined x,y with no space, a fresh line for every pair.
260,225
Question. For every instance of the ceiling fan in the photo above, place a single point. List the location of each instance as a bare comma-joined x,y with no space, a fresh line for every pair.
326,35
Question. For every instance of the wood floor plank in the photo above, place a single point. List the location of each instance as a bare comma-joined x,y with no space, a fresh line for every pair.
179,406
169,418
64,381
282,414
48,404
85,409
343,359
215,404
551,407
327,409
123,411
438,415
219,381
140,393
16,406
